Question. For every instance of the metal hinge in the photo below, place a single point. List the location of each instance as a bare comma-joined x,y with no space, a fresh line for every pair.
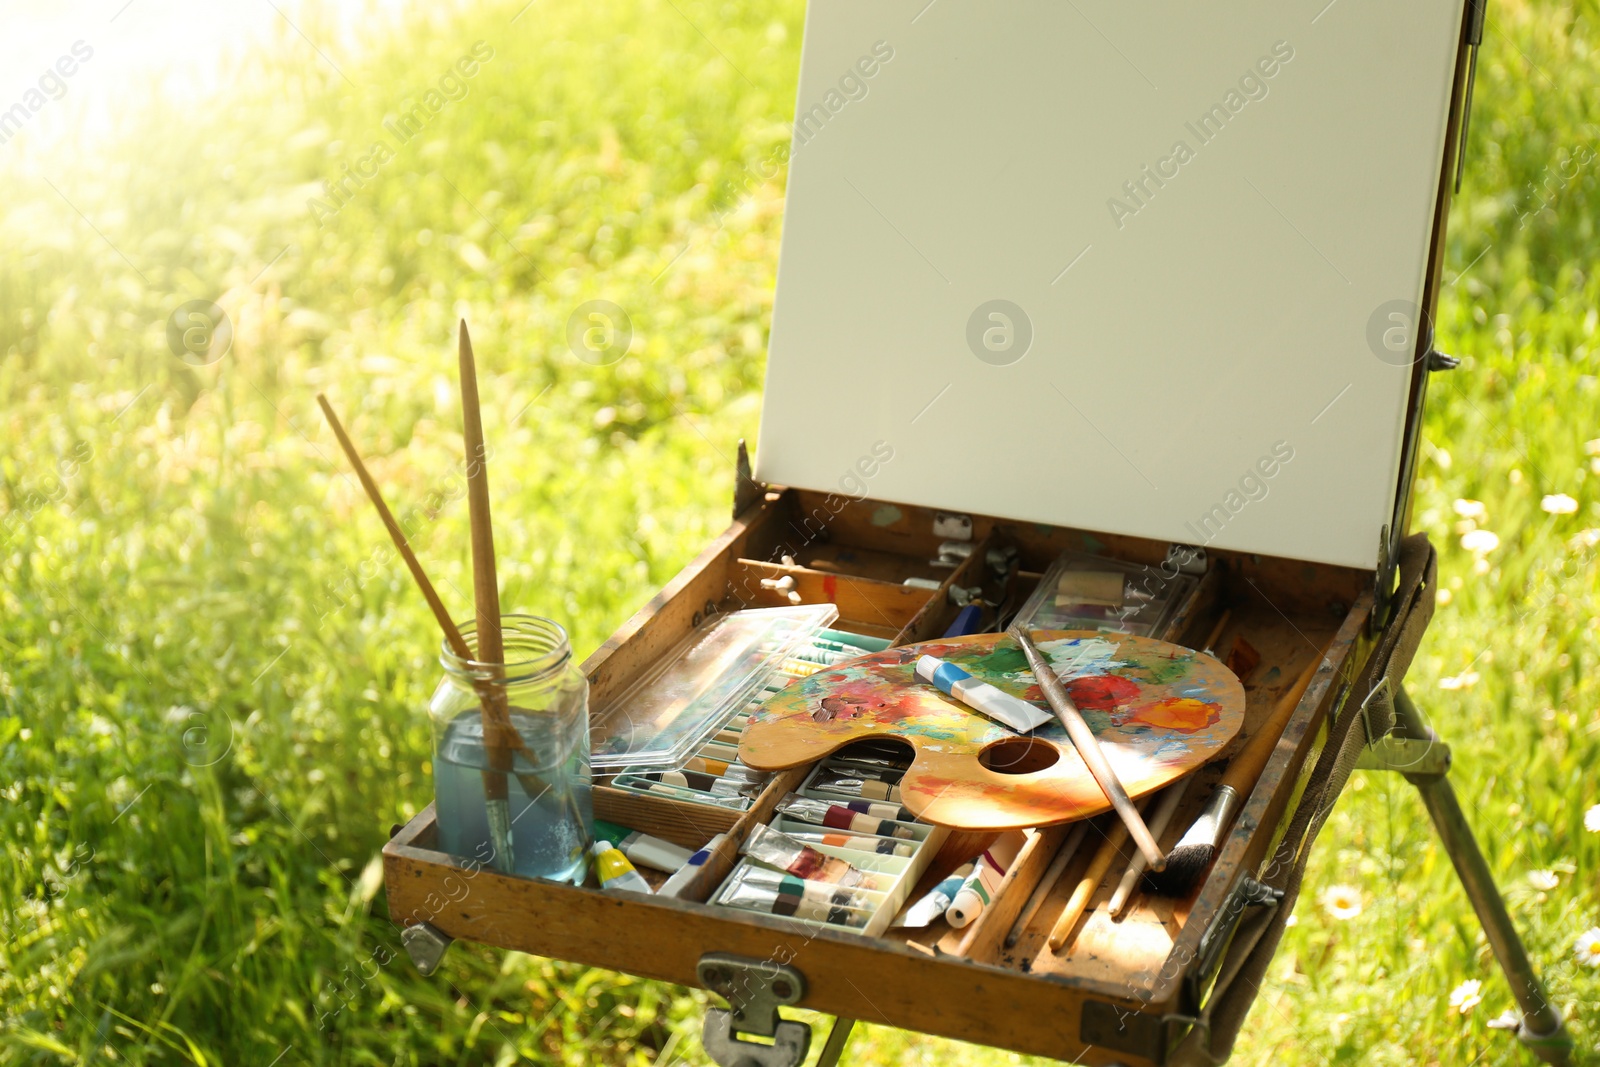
754,989
426,945
1414,757
1188,559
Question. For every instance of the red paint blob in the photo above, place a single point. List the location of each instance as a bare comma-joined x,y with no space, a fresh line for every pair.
1101,692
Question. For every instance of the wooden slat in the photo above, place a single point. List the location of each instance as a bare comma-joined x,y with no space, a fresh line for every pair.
862,978
862,600
689,825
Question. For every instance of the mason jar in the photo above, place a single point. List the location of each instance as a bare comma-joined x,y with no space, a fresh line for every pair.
520,802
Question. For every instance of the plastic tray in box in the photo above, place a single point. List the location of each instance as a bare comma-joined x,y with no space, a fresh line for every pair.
697,687
881,905
1084,592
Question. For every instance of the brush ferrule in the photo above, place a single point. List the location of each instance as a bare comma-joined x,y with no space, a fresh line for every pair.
1217,814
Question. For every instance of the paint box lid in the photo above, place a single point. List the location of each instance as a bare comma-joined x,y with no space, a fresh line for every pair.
1132,268
697,687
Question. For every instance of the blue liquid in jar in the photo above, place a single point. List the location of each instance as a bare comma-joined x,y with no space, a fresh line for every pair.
552,811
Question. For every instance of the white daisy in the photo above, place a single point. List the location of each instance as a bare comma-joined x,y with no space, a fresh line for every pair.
1466,996
1591,820
1543,879
1559,504
1480,541
1471,509
1587,947
1344,902
1506,1020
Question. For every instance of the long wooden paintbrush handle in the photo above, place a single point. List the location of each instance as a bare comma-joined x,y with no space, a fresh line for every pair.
457,643
1088,746
485,586
1246,767
532,784
1078,903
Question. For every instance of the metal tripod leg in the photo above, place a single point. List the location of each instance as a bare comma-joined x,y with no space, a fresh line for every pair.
1541,1030
833,1048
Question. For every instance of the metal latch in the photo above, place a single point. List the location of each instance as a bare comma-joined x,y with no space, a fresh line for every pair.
754,989
1247,892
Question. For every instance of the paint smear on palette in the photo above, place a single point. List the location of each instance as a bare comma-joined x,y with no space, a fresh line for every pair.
1074,657
1102,692
1182,714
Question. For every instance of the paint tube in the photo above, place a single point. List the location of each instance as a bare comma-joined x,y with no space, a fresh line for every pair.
615,871
978,889
854,782
681,878
883,846
641,849
839,817
877,809
934,902
1003,708
758,889
777,849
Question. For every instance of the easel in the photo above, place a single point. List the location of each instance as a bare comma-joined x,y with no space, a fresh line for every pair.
1410,748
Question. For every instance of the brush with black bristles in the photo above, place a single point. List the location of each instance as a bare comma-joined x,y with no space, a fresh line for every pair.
1191,857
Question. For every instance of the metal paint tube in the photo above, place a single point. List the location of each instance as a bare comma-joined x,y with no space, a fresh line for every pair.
680,879
934,902
1003,708
777,849
839,817
883,846
758,889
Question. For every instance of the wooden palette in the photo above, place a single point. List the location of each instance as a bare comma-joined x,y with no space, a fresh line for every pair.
1159,710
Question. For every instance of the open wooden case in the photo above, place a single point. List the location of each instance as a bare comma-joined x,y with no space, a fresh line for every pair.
1261,293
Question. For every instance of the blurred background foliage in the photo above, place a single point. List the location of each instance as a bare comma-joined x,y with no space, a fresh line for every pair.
212,669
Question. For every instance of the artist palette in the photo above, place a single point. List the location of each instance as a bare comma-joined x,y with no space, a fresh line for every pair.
1159,711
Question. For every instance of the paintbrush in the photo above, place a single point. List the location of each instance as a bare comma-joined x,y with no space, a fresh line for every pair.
532,784
1068,849
486,601
1193,854
1078,903
1165,809
1216,632
1055,694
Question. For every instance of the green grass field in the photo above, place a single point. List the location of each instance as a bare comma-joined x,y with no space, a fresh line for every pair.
213,669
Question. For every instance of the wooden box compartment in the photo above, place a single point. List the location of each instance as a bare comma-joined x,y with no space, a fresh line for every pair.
965,984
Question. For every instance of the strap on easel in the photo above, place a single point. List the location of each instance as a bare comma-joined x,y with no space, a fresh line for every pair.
1367,715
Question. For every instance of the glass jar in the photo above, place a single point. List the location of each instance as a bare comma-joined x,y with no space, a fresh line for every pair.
521,802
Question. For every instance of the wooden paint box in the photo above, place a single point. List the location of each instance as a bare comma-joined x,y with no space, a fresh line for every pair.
1070,361
1153,962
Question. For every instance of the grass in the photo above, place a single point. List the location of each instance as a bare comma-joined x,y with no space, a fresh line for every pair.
212,669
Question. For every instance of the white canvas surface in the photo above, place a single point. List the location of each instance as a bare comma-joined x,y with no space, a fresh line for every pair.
1223,359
